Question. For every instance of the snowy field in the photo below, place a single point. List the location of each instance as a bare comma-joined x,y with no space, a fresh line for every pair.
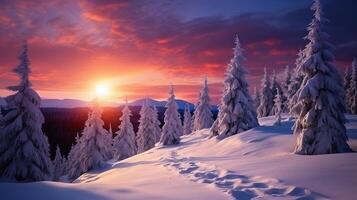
256,164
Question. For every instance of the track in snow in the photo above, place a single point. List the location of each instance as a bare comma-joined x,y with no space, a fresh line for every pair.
238,186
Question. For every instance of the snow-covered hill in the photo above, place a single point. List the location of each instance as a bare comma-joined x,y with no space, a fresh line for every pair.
152,102
256,164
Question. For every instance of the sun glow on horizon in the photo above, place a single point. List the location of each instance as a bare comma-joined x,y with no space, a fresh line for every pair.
102,90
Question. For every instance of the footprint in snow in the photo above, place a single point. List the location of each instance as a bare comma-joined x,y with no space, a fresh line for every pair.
238,186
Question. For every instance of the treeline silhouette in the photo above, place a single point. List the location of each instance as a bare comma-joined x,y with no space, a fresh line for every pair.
62,124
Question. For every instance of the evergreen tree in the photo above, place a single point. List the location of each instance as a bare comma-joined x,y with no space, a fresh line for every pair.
146,136
187,122
256,98
157,123
203,117
352,90
24,149
286,84
278,106
125,139
266,100
297,78
320,125
287,78
275,87
172,129
59,165
236,110
92,149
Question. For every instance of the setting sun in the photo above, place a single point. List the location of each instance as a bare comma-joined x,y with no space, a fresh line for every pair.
102,90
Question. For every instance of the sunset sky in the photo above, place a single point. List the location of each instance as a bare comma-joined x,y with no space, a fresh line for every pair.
138,48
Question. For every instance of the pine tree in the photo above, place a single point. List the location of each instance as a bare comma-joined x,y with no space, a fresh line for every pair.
157,123
172,129
187,122
125,139
203,117
351,94
287,78
73,154
146,136
275,87
278,106
236,111
297,79
24,148
59,165
266,100
286,84
256,98
92,149
320,125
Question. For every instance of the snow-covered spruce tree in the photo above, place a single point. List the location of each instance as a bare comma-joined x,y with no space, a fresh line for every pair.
25,153
157,123
172,129
187,121
125,140
146,136
236,111
256,98
286,84
297,78
287,79
275,87
58,165
266,97
278,106
203,117
352,90
73,154
320,125
92,149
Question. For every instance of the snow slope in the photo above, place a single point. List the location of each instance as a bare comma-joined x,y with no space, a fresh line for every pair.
256,164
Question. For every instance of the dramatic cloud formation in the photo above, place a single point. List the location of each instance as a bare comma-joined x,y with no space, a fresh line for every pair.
140,47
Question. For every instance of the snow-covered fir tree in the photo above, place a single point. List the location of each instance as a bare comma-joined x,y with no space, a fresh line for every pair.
73,154
172,129
351,93
125,139
157,123
92,149
278,106
24,148
59,168
287,78
286,84
187,121
146,136
266,97
275,87
320,126
203,117
236,110
297,78
256,98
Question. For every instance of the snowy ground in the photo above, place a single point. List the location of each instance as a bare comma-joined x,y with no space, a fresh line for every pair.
257,164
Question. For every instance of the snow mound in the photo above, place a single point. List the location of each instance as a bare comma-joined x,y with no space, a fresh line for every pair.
255,164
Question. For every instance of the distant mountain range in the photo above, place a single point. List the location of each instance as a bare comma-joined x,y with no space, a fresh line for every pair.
73,103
